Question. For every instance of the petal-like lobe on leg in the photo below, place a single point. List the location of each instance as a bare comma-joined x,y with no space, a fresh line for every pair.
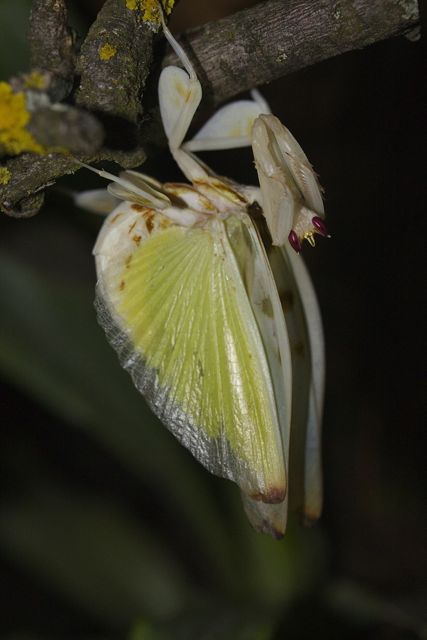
179,97
305,332
175,308
230,127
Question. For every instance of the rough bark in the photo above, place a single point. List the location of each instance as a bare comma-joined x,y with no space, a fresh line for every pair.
52,46
247,49
278,37
114,86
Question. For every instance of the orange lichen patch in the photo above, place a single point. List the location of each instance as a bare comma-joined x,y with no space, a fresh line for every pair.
107,51
150,9
14,137
5,175
35,80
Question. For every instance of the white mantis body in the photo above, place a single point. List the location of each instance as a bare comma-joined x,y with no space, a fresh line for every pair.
205,318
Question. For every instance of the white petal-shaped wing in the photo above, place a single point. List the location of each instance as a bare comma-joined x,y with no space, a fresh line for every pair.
175,308
304,325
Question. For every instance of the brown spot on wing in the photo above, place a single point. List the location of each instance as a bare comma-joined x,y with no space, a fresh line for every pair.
122,285
148,217
137,207
137,239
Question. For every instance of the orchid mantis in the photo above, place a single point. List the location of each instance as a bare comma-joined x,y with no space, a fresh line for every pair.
221,334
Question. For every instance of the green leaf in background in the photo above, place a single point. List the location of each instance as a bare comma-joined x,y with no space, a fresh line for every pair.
215,624
365,606
94,554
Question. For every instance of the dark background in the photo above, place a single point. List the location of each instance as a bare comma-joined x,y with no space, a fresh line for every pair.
108,528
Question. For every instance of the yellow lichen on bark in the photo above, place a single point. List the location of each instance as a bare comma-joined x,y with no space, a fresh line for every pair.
5,175
107,51
150,8
14,137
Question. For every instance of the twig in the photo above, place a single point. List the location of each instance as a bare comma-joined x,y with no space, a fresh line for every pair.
275,38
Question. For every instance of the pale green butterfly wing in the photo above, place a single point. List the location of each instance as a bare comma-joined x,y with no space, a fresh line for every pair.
174,306
266,305
305,331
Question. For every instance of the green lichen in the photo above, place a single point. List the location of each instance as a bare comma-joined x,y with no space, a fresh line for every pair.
5,176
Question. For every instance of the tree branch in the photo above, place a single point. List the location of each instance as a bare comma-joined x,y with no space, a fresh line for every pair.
114,62
275,38
247,49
